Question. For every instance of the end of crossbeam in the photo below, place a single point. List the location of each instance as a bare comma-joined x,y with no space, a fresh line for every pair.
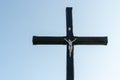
103,40
34,40
68,8
106,40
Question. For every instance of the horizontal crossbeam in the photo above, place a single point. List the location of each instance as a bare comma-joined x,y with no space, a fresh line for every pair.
61,40
48,40
91,41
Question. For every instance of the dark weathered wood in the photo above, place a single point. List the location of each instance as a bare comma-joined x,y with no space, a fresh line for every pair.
70,40
69,23
60,40
48,40
91,41
70,65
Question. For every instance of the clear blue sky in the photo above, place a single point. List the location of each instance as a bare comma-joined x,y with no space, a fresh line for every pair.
21,19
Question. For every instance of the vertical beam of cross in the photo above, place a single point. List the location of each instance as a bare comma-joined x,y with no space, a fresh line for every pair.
70,40
69,23
70,55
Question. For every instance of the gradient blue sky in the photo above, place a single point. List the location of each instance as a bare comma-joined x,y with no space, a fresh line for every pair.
21,19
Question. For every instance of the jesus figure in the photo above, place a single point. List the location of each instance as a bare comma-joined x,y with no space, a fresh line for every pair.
70,43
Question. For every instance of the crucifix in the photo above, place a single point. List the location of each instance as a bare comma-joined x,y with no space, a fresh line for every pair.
70,40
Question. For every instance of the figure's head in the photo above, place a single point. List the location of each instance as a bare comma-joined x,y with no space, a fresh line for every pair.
69,40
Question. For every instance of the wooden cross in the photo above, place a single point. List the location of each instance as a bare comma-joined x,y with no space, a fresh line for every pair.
70,40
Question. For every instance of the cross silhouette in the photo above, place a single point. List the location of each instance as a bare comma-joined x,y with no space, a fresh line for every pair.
70,40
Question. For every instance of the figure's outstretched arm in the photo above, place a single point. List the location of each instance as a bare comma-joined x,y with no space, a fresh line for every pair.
74,40
65,39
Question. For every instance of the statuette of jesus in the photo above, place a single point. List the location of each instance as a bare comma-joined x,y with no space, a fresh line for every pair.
70,43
